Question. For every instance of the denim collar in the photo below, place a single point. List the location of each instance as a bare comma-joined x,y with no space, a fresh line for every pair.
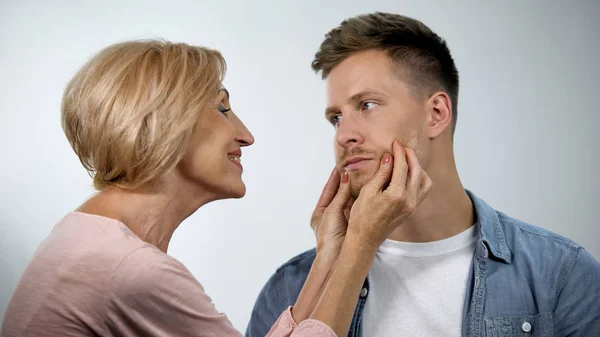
490,230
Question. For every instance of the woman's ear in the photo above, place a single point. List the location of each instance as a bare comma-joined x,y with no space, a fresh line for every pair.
439,107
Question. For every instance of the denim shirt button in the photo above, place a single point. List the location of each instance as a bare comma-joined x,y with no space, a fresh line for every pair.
526,327
363,292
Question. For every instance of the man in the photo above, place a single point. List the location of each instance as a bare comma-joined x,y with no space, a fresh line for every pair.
456,267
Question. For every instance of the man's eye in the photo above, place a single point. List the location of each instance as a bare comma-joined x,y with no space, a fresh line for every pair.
335,120
368,105
223,109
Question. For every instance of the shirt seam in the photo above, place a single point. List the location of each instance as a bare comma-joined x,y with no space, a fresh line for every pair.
565,243
112,289
565,274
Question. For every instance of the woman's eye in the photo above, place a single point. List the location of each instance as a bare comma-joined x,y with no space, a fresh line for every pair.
368,105
223,109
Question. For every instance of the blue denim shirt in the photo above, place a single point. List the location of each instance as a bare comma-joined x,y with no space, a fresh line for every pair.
524,281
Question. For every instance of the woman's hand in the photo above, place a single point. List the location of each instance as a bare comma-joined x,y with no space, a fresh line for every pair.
329,220
331,290
390,197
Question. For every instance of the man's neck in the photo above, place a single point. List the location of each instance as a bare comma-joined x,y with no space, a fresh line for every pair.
447,211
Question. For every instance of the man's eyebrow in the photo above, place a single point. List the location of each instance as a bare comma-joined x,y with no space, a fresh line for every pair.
330,111
359,96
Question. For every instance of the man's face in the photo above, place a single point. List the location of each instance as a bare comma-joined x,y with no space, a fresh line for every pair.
371,107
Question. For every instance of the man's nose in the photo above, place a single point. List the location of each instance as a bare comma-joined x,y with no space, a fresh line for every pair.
349,133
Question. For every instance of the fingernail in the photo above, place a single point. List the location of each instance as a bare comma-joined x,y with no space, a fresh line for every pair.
345,177
386,158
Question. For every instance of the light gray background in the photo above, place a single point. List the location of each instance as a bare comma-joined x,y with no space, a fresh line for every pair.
526,140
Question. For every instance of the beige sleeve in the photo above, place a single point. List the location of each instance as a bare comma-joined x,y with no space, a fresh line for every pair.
155,295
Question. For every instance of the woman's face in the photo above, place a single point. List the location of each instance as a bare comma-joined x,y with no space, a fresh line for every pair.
213,158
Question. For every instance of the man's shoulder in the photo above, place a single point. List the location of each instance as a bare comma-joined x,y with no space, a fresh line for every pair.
286,282
543,251
299,262
509,237
279,292
289,277
522,234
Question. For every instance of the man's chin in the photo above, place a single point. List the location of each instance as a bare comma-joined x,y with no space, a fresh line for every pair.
358,179
356,186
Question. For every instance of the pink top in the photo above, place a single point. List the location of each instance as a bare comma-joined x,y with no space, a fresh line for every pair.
92,276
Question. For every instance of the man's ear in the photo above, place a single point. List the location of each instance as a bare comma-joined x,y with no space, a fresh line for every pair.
439,108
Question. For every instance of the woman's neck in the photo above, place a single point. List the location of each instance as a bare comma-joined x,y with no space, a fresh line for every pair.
152,213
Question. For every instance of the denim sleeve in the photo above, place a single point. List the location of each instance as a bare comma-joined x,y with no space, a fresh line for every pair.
268,307
577,311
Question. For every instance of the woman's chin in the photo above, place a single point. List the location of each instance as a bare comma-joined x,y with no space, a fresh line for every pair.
240,194
235,190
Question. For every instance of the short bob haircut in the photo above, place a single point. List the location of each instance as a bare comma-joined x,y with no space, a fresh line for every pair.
129,112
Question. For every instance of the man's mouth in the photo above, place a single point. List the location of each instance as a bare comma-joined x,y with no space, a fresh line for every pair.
356,163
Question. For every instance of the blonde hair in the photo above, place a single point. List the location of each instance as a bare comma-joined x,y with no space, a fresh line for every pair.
129,112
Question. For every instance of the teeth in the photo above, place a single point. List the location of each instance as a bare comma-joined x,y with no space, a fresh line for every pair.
235,158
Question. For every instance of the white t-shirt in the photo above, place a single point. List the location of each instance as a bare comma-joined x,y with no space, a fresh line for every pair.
418,289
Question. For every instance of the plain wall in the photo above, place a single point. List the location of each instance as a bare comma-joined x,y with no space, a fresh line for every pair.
526,140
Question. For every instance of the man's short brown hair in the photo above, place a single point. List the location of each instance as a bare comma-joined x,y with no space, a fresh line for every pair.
420,57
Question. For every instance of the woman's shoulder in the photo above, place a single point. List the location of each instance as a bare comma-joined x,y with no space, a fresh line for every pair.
98,250
160,291
147,270
140,280
147,263
92,239
126,258
110,247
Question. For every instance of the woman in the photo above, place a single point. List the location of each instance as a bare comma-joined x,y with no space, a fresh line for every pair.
152,123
